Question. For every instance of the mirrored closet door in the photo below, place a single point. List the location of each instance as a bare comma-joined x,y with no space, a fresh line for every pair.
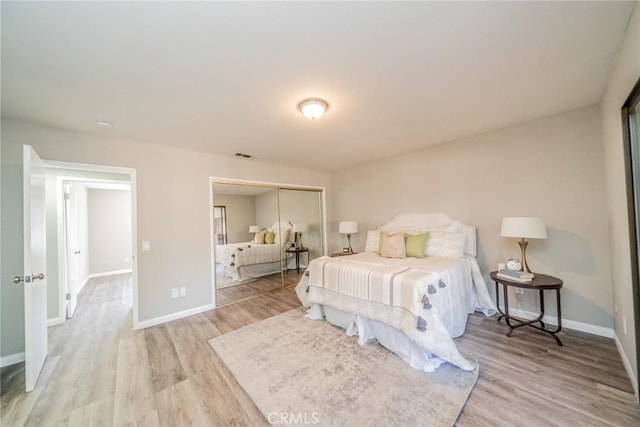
264,237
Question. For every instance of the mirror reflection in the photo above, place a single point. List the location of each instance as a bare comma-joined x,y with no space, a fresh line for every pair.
264,237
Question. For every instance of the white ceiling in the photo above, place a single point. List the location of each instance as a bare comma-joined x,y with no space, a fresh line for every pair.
226,77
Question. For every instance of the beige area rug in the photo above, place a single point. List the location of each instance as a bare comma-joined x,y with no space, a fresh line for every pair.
305,372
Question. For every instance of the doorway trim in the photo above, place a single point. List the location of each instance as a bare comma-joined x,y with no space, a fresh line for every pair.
631,150
134,224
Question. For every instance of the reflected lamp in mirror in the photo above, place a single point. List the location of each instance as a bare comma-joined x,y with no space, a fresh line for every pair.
523,228
254,229
298,229
348,228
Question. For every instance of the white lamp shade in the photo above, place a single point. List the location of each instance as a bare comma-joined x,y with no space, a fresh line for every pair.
300,227
523,227
348,227
255,229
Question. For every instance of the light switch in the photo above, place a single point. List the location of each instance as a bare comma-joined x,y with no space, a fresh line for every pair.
146,245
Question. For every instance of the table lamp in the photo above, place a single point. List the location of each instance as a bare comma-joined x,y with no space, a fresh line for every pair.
255,229
348,228
298,228
523,228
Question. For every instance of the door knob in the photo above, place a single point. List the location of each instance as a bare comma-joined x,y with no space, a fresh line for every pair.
28,279
76,253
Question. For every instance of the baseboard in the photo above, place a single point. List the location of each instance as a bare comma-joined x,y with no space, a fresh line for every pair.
11,359
566,323
627,366
56,321
108,273
173,316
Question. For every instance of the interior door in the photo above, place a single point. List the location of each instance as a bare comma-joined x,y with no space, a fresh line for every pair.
72,248
35,263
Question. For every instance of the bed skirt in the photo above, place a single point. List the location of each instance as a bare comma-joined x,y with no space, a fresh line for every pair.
368,330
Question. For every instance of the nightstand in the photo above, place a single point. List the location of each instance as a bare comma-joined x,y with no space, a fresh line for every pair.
541,283
298,251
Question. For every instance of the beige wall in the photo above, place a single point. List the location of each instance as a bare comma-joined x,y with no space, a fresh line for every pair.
241,213
109,230
172,213
550,168
623,77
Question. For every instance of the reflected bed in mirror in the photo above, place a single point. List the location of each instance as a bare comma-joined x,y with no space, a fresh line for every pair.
252,233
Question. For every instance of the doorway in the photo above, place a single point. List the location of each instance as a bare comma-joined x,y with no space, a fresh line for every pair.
93,209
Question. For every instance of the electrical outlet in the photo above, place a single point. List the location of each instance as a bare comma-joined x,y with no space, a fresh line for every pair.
183,291
127,259
146,245
174,293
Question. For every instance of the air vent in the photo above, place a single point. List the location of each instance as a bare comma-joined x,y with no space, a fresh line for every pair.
243,155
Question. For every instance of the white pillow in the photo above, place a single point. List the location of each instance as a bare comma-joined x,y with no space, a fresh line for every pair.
373,241
445,244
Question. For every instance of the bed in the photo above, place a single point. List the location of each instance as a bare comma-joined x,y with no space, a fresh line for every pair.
247,260
413,306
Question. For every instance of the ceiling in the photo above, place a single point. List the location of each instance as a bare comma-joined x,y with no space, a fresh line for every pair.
225,77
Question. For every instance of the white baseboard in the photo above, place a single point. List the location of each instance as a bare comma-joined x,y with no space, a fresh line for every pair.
566,323
11,359
173,316
108,273
56,321
627,366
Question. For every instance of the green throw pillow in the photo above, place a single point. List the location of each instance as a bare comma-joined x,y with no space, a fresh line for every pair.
416,244
270,238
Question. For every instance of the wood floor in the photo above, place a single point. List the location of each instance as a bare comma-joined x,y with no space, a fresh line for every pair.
257,287
101,372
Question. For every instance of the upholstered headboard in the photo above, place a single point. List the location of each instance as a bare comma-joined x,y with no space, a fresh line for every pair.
434,221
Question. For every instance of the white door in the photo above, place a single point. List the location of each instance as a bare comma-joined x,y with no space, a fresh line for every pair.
35,263
72,248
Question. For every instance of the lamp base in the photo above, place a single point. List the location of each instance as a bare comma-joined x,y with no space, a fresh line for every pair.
349,240
523,249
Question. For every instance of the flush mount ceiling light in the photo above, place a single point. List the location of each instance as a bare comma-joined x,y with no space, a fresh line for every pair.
104,123
313,108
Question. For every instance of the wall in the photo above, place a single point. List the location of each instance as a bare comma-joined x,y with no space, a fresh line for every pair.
241,213
172,192
300,206
109,230
623,77
550,168
267,208
53,279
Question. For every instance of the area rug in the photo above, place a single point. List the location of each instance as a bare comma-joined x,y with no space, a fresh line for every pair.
304,372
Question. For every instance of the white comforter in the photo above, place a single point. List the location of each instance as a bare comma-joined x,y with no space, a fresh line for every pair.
247,253
426,299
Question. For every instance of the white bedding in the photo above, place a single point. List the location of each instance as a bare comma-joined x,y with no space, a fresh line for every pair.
246,260
427,300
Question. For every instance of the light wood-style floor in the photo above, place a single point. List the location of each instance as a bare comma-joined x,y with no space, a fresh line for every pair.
101,372
258,287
